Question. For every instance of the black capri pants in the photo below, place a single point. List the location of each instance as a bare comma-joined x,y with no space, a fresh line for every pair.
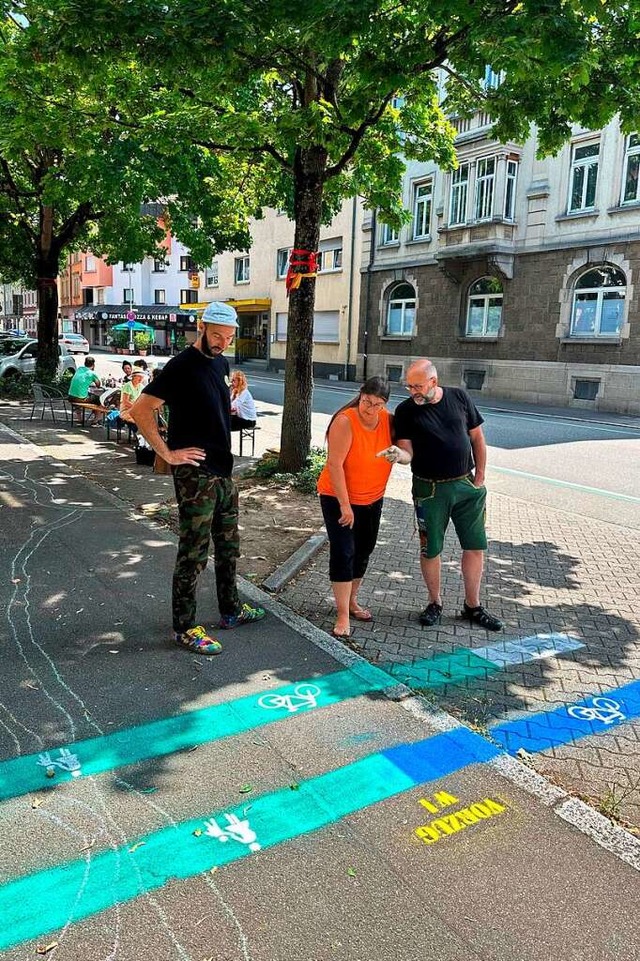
350,547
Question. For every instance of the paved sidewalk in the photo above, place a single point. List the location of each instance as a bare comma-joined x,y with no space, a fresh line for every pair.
547,571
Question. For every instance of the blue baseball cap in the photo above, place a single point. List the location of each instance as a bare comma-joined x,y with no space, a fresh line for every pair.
217,312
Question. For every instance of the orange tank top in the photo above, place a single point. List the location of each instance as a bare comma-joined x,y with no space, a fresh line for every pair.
366,475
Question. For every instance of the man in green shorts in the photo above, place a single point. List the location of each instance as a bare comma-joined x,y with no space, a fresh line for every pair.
439,432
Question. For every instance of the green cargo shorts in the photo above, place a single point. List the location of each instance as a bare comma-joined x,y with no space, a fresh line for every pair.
438,502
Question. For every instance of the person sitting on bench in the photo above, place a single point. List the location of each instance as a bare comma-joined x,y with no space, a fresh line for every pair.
84,378
129,393
243,408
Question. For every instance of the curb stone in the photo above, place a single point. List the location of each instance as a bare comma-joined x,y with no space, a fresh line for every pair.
294,564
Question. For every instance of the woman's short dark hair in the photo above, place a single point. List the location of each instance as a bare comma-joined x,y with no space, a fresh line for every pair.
376,387
372,387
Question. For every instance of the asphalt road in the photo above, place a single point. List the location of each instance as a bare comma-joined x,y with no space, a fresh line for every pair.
575,460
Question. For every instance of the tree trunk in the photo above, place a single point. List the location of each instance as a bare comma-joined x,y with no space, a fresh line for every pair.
295,439
48,264
47,362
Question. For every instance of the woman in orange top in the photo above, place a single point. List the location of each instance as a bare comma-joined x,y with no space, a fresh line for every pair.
351,488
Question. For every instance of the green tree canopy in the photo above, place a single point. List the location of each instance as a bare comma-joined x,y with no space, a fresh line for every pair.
327,100
74,174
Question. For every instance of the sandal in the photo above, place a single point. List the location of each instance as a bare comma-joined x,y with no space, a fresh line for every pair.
361,614
341,636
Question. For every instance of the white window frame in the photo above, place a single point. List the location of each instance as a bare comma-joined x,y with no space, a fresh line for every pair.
583,167
510,187
188,296
186,263
484,300
389,235
159,266
212,275
90,264
282,262
405,303
330,258
241,270
159,295
600,297
98,293
485,188
422,206
459,196
632,153
127,299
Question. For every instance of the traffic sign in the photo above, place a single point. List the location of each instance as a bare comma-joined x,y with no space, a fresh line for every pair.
131,324
131,315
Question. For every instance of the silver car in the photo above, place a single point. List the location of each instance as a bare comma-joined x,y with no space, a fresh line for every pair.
19,356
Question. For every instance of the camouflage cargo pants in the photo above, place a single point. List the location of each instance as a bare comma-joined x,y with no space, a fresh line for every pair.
208,509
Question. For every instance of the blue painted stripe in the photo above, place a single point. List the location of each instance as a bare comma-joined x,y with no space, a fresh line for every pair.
27,773
596,714
46,901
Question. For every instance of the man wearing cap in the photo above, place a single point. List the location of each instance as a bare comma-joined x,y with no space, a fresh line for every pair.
195,387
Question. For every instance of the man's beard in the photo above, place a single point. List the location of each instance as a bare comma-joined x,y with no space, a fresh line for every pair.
425,398
206,349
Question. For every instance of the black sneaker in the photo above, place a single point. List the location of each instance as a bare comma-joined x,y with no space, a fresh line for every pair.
431,615
478,615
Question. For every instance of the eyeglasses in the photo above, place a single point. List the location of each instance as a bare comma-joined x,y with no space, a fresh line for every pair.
372,405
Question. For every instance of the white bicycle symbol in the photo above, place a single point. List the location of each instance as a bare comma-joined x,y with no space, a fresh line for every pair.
304,695
603,709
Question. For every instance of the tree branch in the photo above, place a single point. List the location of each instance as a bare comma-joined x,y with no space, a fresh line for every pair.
356,139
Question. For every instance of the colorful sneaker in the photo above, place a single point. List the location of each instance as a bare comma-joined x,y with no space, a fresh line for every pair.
246,616
197,641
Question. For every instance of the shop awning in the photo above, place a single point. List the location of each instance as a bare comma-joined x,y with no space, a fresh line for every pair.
152,313
256,306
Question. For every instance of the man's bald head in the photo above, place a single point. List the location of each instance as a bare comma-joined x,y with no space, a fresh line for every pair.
422,382
424,368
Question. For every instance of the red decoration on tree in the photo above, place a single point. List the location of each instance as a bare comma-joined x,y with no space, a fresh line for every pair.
302,263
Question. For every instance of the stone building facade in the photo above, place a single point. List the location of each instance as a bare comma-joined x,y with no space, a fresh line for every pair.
518,276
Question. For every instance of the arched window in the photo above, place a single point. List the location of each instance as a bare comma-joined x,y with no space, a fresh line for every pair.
401,311
598,303
484,311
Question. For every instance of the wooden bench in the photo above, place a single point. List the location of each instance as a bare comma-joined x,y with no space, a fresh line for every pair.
87,406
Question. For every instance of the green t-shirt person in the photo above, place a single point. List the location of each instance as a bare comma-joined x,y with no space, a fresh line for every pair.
81,381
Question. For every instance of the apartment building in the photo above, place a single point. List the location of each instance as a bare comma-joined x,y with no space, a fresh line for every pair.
254,283
518,276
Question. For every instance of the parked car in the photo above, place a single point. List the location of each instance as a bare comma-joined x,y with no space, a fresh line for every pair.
18,356
75,343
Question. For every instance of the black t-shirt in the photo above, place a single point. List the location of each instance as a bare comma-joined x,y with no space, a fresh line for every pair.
196,391
439,434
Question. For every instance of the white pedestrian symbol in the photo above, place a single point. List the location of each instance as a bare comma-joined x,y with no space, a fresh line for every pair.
304,695
66,761
603,709
234,830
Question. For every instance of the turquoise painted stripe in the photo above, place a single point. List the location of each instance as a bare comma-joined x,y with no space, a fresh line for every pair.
167,735
443,669
44,902
470,663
